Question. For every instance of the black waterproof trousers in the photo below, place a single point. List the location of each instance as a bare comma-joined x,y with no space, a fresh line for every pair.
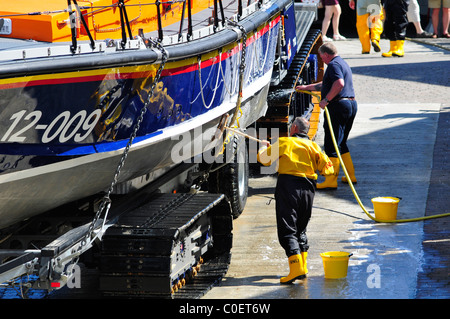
396,19
342,114
294,198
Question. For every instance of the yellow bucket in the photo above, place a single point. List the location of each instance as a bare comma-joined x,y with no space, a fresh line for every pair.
385,207
335,264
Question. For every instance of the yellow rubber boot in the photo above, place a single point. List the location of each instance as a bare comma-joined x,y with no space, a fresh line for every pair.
296,270
348,163
331,180
304,255
376,30
363,32
399,52
376,45
391,50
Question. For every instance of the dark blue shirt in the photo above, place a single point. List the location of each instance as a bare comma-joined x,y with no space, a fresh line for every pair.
338,69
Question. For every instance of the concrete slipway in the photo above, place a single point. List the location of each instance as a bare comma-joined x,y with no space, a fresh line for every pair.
400,101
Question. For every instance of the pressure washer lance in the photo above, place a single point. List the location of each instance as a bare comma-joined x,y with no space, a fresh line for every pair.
244,134
351,184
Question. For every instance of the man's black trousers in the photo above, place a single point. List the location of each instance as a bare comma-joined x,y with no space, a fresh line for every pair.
294,198
396,19
342,114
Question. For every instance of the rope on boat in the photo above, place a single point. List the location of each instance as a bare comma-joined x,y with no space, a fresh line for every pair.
199,62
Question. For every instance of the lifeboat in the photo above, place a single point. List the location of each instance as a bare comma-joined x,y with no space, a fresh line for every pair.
83,82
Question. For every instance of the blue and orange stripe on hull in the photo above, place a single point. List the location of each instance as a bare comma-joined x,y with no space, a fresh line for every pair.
181,97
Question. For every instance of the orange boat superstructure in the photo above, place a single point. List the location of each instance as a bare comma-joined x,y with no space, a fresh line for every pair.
26,19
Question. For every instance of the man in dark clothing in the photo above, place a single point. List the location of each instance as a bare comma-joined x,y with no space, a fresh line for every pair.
297,158
338,96
395,26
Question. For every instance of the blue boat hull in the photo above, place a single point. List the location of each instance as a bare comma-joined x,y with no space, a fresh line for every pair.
63,134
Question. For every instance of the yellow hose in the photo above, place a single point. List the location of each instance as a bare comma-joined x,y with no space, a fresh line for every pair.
353,188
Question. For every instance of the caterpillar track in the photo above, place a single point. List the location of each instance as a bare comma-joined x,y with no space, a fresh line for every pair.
175,246
284,104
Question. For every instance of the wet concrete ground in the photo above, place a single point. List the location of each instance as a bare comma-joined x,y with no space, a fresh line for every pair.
392,143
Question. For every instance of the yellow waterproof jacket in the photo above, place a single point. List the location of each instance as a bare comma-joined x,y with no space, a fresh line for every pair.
296,156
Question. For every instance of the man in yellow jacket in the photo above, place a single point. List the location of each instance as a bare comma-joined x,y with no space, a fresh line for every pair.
298,159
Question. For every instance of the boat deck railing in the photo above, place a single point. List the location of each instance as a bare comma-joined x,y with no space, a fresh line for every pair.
206,22
188,27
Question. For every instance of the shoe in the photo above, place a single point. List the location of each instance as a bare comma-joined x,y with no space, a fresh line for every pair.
296,270
331,180
434,36
393,47
424,34
326,39
376,45
348,163
399,52
338,37
446,35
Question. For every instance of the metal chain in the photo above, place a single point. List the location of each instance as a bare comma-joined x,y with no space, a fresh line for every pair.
106,201
241,71
244,43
